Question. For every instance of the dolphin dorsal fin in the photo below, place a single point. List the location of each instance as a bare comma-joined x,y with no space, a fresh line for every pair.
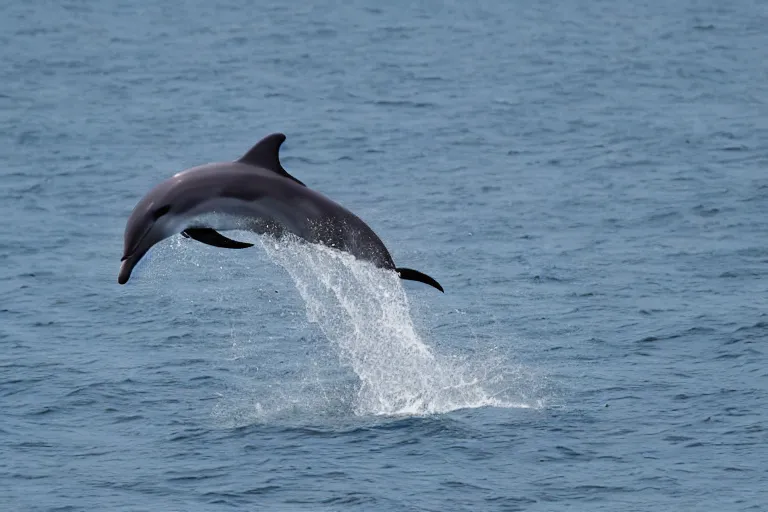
266,154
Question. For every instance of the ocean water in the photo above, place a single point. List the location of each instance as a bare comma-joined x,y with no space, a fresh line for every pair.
587,180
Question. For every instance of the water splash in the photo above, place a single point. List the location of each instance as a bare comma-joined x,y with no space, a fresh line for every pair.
364,313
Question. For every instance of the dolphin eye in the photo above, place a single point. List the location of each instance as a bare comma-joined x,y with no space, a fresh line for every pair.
161,211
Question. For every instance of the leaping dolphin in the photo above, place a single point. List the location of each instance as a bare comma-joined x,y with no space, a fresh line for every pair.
253,193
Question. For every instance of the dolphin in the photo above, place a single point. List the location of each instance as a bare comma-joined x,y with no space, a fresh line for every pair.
253,193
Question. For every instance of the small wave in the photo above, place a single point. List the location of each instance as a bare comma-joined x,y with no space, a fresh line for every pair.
404,104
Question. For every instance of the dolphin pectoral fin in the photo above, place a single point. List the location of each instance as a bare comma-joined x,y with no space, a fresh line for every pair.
415,275
212,237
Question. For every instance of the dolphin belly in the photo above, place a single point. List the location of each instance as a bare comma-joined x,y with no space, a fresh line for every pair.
312,218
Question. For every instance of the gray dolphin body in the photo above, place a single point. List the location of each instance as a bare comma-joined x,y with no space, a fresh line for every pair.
253,193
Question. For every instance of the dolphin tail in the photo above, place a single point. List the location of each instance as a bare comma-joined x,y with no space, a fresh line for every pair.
415,275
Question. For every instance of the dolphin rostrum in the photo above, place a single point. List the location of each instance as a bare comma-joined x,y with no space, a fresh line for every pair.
253,193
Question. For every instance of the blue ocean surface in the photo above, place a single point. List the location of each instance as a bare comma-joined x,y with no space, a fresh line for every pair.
587,180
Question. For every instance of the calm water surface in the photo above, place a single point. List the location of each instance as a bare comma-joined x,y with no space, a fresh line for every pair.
588,181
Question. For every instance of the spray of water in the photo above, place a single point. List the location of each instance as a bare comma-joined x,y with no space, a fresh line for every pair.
364,313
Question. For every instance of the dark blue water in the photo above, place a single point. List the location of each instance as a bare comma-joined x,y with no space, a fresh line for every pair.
588,181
